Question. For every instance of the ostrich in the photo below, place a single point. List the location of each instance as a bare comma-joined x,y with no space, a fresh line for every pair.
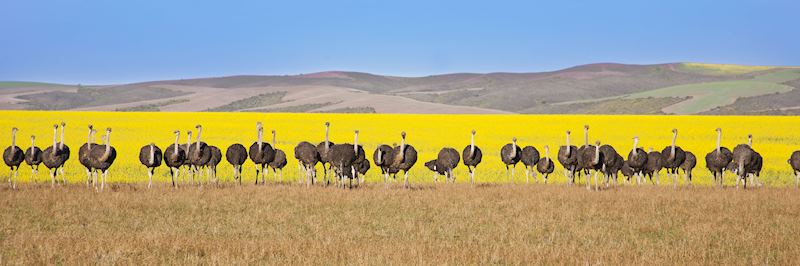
51,157
324,149
637,159
568,158
585,159
718,159
405,156
361,169
103,158
174,157
654,164
216,158
343,157
613,170
279,162
673,158
472,156
383,159
307,158
199,154
609,157
627,171
589,158
186,162
13,157
150,156
261,153
63,154
529,158
744,160
688,164
510,155
445,162
545,166
33,158
794,162
236,155
83,155
755,170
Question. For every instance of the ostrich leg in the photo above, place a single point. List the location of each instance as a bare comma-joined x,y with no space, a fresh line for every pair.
596,186
150,175
797,179
63,177
406,182
471,176
527,179
14,181
52,178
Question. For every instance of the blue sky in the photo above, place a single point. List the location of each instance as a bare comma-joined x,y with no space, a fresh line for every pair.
108,41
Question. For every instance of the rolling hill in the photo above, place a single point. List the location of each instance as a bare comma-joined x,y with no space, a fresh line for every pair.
674,88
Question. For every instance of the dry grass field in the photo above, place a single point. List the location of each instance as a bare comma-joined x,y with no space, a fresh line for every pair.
444,224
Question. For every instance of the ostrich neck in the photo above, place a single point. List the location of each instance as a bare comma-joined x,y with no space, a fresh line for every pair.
13,142
327,139
547,153
175,150
750,142
568,149
586,137
635,143
513,149
107,153
89,139
61,146
596,154
260,141
402,148
379,160
672,148
273,139
152,154
199,131
55,141
472,145
355,144
33,143
719,137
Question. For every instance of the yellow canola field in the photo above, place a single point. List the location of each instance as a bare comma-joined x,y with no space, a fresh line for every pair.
774,137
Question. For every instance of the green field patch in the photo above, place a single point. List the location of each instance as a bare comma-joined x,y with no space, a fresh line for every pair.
706,96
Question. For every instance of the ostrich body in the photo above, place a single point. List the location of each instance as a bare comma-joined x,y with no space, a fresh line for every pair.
654,165
63,154
279,162
216,158
405,156
150,156
586,157
472,156
794,162
13,157
236,155
688,164
343,158
627,171
568,158
545,166
718,159
673,158
510,155
383,158
261,153
307,158
744,159
174,157
613,170
83,155
529,158
324,150
51,157
199,154
609,166
102,157
637,159
758,162
445,162
33,158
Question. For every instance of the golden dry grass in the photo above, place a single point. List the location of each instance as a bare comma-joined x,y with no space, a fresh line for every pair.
445,224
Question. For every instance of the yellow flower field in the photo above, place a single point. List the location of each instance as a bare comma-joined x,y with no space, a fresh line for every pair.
774,137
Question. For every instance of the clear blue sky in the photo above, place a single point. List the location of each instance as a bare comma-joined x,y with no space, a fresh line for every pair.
110,41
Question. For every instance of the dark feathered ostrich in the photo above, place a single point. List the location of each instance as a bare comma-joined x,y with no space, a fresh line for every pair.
261,154
307,158
102,157
83,155
688,164
405,156
510,155
445,162
324,150
744,160
472,156
51,157
608,161
586,157
150,156
758,163
383,158
279,162
33,158
545,166
637,159
236,155
343,157
568,158
63,154
13,157
794,162
673,158
361,169
529,158
211,165
627,171
174,157
718,159
613,170
199,154
189,175
653,166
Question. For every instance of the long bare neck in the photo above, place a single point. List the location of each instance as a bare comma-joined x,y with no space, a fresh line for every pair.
89,139
188,141
13,141
635,143
199,131
33,143
327,140
260,139
672,148
514,149
597,154
61,146
355,143
750,141
569,151
175,150
586,137
719,139
472,145
547,152
55,140
402,147
273,139
107,153
152,153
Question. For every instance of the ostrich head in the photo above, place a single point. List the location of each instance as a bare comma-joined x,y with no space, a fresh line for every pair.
750,140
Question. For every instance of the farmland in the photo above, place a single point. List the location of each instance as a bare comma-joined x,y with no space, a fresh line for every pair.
774,137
